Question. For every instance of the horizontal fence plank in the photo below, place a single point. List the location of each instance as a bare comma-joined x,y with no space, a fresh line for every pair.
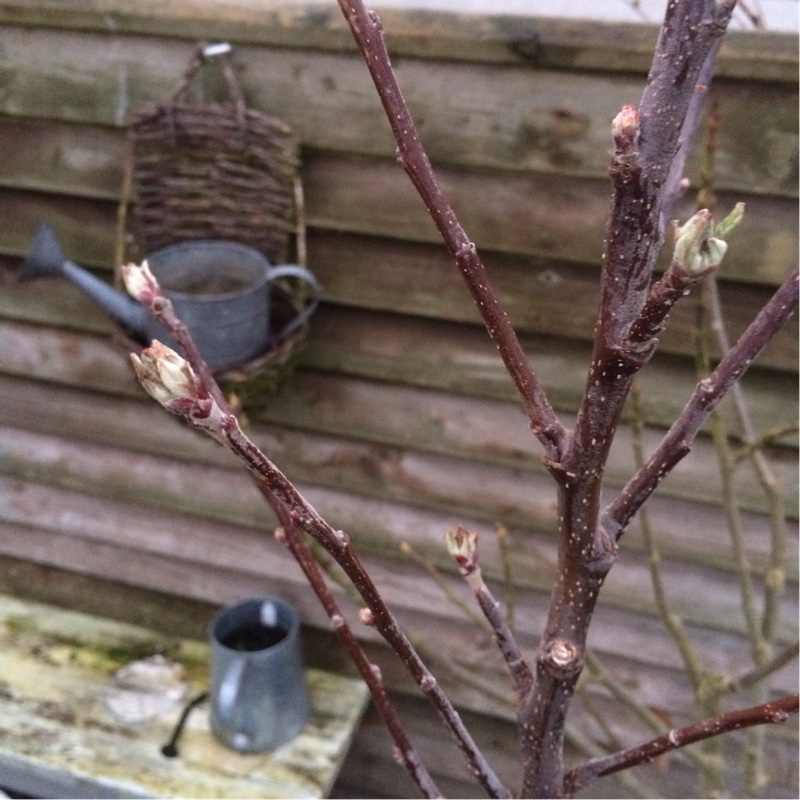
462,359
423,352
625,615
561,218
399,471
545,42
377,412
514,120
534,219
542,296
454,357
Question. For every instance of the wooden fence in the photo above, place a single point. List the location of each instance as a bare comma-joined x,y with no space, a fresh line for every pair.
400,421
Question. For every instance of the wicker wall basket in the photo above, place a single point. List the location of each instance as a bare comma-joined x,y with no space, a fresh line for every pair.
203,170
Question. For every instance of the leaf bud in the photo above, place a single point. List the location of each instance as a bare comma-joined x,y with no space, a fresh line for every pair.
140,283
463,547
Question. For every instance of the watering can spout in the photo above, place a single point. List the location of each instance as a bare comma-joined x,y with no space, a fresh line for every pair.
46,260
45,257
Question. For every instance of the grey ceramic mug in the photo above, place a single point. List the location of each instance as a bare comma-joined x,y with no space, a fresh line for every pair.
258,696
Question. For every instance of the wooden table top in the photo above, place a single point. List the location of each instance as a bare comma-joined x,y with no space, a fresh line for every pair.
70,726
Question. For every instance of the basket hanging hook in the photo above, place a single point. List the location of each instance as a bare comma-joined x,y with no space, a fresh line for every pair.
217,49
220,53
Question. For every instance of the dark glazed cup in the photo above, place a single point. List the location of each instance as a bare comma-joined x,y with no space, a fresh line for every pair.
258,692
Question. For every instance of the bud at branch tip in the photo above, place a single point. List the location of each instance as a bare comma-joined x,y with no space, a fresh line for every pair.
463,547
170,379
699,243
140,283
625,130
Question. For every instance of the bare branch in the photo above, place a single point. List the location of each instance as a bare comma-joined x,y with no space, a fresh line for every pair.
749,679
338,544
645,143
677,442
463,546
173,382
769,480
368,33
437,577
769,713
369,672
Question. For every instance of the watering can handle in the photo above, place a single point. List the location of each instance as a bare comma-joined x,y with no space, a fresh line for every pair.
296,271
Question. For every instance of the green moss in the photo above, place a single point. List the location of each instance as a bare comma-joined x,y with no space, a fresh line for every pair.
109,655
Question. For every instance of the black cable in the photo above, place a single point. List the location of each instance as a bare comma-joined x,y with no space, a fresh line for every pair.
170,749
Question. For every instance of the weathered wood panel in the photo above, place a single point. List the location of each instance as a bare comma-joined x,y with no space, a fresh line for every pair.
520,213
400,420
543,296
60,526
460,479
492,432
426,352
485,37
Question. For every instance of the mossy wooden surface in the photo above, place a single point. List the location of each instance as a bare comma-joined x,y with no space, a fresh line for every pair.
58,737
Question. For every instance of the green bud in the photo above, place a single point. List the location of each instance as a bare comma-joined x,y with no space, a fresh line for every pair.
463,547
723,229
696,251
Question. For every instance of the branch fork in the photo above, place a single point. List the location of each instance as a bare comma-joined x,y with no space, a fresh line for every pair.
649,147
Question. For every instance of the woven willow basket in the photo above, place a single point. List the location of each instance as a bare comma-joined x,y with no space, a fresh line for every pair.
199,170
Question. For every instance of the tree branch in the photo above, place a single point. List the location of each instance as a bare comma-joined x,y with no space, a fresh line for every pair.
645,144
769,713
368,34
677,442
370,672
754,676
171,381
463,547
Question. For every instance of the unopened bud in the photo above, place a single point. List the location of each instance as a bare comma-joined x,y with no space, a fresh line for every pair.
366,616
463,547
164,374
140,282
427,683
696,251
625,129
170,379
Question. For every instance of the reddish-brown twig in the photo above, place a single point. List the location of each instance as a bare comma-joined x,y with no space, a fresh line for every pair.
677,441
371,673
194,394
769,713
368,34
463,546
645,143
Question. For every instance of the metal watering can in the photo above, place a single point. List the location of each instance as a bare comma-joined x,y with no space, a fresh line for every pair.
220,289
